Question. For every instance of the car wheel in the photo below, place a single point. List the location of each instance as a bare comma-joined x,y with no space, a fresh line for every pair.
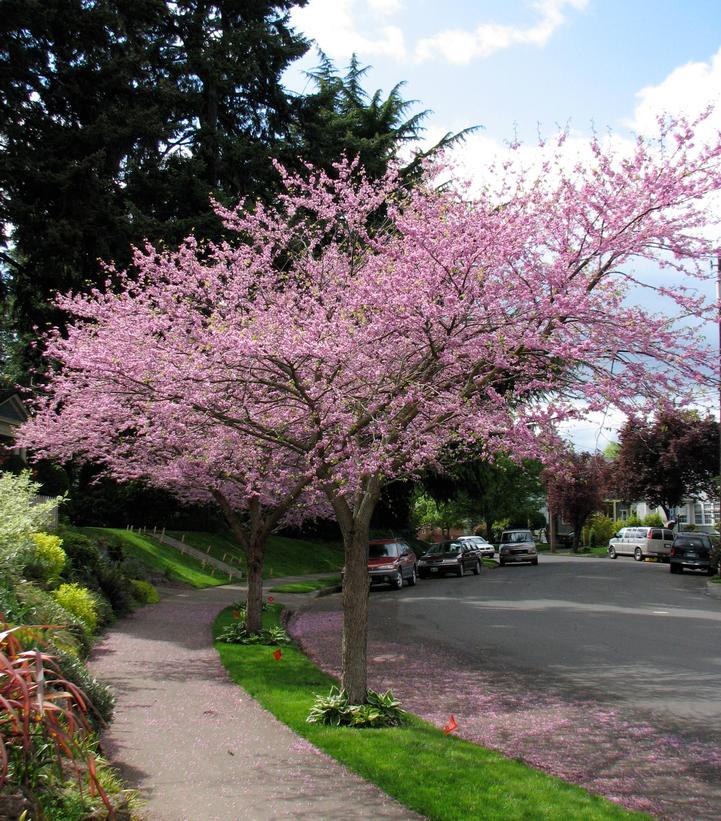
535,561
398,581
501,563
612,553
412,579
476,568
675,568
710,571
461,570
638,554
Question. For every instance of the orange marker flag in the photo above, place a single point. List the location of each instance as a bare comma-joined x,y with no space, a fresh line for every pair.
451,726
277,654
270,600
236,614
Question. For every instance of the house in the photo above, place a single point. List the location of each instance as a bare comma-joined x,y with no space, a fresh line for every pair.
12,414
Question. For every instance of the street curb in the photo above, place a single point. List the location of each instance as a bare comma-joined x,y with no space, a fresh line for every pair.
327,591
713,589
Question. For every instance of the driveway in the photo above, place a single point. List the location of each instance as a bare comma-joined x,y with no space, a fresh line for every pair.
604,673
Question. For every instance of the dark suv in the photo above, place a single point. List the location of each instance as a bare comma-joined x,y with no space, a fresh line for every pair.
694,551
452,556
390,561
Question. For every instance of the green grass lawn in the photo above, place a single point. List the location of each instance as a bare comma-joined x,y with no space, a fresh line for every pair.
441,777
284,556
160,557
306,587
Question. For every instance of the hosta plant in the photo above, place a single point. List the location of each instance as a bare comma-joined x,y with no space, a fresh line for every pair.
379,710
237,633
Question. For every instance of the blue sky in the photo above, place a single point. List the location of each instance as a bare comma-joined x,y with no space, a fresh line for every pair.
520,68
511,65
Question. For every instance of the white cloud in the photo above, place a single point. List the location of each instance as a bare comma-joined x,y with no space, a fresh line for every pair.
335,26
687,90
461,47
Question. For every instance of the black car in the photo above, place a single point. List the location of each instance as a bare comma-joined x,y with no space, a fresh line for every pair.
449,557
694,551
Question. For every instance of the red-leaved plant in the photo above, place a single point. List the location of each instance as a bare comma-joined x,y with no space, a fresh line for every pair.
39,708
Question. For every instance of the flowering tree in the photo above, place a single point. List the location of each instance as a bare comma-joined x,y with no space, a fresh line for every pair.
135,435
356,331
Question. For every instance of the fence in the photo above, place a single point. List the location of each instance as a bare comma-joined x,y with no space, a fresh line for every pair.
181,547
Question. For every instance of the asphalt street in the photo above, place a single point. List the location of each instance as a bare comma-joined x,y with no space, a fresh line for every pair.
618,632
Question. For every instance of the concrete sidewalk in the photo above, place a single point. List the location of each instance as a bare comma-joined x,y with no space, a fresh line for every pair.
195,745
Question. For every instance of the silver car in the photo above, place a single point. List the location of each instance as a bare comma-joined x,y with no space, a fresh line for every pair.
479,544
517,546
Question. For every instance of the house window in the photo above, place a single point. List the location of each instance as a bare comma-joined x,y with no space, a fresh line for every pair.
705,513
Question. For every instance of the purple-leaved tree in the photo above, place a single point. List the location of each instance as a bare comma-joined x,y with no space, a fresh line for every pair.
355,330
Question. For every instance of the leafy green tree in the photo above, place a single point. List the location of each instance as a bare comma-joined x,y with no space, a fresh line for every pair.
119,120
490,491
340,115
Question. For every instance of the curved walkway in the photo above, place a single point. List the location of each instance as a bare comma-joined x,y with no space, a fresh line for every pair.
195,745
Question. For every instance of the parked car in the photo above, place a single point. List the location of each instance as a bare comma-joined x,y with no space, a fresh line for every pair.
517,546
641,542
694,551
452,556
480,544
391,561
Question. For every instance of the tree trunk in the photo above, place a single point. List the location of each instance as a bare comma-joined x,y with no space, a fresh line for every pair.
254,605
354,523
552,530
356,585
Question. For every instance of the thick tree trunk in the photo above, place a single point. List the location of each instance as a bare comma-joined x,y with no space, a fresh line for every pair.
552,530
355,525
355,614
254,607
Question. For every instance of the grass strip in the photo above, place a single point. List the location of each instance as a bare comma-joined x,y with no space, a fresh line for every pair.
162,558
443,778
306,587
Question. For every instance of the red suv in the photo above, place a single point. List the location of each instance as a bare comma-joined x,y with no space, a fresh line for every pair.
390,561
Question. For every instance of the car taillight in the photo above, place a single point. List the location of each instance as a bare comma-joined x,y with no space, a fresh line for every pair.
673,551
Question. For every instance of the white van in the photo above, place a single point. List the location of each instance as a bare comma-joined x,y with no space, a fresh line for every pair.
642,542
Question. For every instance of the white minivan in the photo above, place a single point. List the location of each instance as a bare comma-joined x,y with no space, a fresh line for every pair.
642,543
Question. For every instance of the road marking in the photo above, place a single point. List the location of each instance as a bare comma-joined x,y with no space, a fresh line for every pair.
660,612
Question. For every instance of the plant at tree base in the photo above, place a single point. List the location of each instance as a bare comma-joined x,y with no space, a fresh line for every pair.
335,709
238,633
331,352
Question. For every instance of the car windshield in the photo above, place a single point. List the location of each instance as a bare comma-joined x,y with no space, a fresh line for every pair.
378,551
516,537
690,541
445,547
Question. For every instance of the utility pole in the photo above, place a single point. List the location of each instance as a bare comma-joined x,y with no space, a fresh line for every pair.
718,316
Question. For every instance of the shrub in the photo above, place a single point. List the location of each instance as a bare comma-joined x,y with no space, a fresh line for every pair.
600,529
144,592
20,516
40,607
83,555
104,610
80,602
47,560
379,710
653,520
115,587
